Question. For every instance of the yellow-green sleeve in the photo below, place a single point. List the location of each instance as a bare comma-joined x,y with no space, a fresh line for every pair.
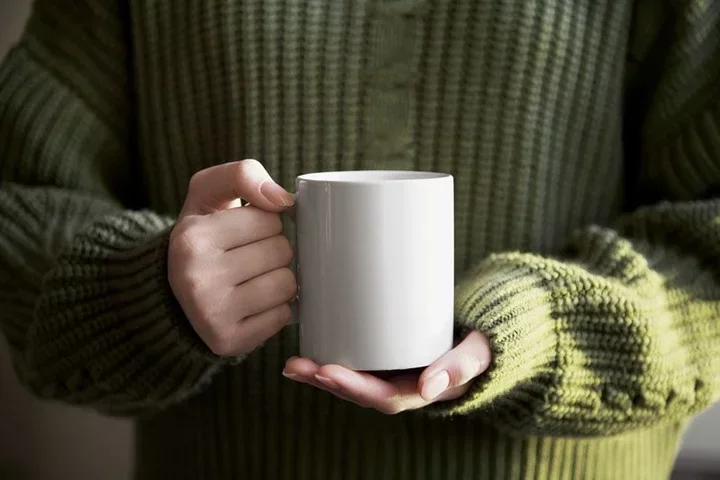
621,329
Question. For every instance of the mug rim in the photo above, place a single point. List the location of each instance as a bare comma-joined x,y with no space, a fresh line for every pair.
372,176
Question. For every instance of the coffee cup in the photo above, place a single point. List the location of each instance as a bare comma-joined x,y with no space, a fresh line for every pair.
375,264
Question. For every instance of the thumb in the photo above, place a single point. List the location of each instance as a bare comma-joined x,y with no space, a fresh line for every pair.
460,365
217,187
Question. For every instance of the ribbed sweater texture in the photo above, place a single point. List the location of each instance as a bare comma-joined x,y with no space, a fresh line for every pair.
584,138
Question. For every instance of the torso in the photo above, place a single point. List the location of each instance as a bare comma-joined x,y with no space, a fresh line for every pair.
521,101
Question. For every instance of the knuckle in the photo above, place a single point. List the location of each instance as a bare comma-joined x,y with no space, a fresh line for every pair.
284,250
468,366
276,226
270,222
190,238
196,181
186,279
248,168
220,344
241,296
250,164
288,283
271,328
285,314
195,281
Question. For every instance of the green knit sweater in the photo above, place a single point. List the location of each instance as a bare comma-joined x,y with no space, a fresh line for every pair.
584,137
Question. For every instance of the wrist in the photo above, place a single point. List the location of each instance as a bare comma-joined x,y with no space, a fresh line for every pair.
106,313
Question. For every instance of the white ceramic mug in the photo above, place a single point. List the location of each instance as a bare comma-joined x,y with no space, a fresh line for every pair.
375,256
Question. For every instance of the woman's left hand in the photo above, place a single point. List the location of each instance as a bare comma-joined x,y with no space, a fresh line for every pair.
446,379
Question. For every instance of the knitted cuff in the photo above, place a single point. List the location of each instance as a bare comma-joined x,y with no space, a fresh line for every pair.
107,326
509,303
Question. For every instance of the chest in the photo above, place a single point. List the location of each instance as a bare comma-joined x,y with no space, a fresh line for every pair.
231,74
509,96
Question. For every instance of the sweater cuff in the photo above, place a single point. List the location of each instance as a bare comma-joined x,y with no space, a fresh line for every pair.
510,304
108,322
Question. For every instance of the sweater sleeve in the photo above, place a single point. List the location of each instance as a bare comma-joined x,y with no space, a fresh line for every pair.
620,330
85,304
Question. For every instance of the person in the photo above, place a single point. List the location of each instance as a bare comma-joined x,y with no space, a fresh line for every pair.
584,138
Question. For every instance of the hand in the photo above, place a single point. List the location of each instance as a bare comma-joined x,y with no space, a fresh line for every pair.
227,264
446,379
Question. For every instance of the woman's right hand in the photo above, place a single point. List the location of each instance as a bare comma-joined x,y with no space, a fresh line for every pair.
227,264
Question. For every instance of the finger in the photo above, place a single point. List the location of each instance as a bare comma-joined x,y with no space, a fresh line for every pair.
452,393
240,226
296,367
216,187
292,211
255,259
262,293
256,329
245,336
366,389
303,370
457,367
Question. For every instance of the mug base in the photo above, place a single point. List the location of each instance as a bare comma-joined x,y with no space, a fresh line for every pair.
380,369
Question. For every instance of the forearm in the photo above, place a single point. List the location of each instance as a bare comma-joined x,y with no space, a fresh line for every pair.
84,299
619,332
102,327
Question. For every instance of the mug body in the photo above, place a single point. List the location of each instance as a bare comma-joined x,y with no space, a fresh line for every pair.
375,268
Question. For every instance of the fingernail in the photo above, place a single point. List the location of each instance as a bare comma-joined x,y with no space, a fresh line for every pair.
328,382
276,194
435,385
291,376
